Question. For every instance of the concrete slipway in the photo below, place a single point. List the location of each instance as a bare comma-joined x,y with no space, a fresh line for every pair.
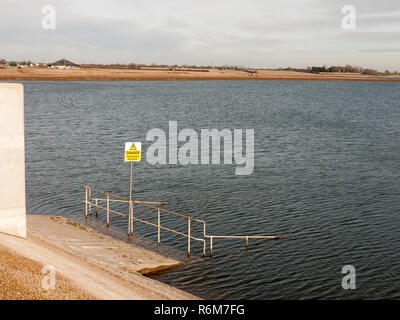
104,267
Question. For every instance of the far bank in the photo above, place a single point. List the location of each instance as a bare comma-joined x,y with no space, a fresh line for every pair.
160,74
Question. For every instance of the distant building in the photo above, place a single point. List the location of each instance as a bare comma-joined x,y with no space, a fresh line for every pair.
63,64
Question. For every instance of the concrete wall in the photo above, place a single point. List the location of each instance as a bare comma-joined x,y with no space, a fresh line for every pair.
12,160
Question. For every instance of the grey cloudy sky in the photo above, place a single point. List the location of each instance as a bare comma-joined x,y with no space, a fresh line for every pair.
259,33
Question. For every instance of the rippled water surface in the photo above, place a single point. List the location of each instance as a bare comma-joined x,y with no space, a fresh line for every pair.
326,177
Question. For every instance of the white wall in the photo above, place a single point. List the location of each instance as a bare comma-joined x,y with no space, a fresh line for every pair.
12,160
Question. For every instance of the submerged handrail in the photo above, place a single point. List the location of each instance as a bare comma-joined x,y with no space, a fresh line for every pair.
151,205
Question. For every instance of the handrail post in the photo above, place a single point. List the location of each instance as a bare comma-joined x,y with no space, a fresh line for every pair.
90,202
96,207
86,203
211,245
108,210
158,226
188,237
247,242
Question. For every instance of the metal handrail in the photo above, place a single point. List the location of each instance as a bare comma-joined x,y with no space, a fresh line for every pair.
149,204
88,204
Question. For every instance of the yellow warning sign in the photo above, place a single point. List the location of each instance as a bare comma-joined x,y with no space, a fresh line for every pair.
133,151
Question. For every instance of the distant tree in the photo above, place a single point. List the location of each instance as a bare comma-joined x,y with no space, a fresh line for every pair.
335,69
351,69
318,69
370,71
348,68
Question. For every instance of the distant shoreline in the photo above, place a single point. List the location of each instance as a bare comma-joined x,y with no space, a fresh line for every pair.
158,74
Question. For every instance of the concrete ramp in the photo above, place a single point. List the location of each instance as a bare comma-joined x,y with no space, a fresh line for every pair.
12,160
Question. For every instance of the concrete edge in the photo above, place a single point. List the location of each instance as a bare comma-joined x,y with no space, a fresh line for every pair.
134,277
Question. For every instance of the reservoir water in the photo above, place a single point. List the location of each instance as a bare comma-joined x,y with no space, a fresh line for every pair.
326,177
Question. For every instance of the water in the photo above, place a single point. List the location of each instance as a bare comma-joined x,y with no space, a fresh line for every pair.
326,178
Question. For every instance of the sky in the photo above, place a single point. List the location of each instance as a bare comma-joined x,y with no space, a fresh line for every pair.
253,33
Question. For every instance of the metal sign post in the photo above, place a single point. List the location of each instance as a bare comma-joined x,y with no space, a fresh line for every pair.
130,184
133,152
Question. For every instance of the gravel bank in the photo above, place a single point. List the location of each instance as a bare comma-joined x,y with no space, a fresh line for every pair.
21,279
